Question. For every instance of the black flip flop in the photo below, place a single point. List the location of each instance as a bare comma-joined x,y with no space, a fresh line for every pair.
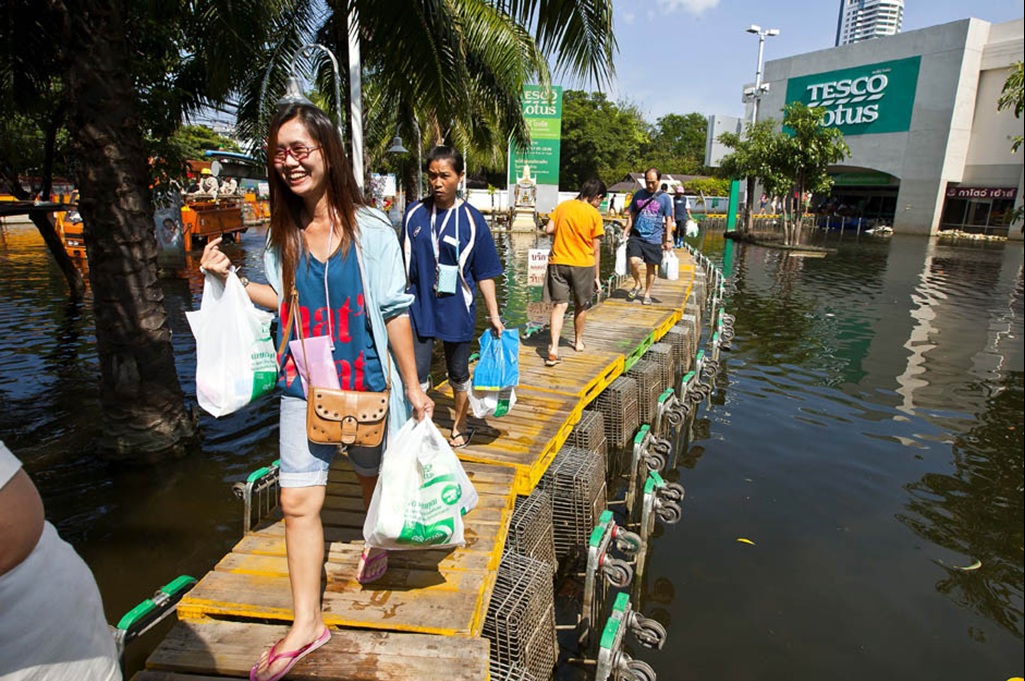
466,435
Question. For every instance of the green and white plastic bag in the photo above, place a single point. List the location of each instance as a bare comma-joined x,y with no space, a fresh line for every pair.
235,357
422,492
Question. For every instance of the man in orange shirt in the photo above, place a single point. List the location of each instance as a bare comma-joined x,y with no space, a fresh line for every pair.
573,265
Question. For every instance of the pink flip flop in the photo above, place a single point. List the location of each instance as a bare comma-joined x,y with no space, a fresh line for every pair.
295,656
372,568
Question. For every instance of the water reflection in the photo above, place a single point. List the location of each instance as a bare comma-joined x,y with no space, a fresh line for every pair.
976,511
871,392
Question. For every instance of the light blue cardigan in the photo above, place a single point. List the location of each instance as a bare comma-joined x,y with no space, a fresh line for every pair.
384,289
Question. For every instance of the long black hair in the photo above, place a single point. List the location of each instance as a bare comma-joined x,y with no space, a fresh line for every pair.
343,193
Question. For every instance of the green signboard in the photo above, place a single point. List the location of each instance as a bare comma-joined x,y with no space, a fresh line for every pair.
870,99
543,112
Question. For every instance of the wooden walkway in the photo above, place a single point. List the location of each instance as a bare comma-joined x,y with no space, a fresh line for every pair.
424,619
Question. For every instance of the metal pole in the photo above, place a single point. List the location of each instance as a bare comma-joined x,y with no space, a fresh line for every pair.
419,161
338,87
356,100
758,78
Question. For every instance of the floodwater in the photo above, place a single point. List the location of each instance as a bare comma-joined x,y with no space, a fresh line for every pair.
864,438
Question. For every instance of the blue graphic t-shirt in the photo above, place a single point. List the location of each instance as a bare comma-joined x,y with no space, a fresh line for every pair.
448,316
355,358
649,211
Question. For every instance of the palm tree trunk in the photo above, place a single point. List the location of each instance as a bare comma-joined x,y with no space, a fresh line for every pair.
144,410
76,285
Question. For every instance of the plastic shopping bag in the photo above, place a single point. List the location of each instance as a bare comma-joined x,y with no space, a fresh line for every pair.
491,402
235,357
691,228
422,492
499,363
621,259
670,266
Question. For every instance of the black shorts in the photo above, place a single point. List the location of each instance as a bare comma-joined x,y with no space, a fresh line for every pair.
651,254
561,279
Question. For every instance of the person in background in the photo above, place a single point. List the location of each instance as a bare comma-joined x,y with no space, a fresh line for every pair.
343,260
229,187
648,231
52,626
449,254
208,184
681,214
574,263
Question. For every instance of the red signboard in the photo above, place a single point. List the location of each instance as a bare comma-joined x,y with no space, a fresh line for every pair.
981,192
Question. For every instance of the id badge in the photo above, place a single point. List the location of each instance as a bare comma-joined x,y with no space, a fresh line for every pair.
446,279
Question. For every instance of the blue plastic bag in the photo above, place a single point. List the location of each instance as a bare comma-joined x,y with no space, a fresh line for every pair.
499,364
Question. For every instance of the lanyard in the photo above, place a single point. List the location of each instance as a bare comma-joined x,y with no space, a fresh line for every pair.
435,235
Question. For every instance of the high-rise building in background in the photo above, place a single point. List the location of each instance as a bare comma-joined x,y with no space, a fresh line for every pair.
863,19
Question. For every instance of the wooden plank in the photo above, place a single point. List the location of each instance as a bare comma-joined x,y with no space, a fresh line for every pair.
229,649
448,606
579,373
346,553
526,439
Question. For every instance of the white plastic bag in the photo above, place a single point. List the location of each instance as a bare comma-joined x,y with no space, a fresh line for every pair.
495,403
621,259
670,266
422,492
235,357
691,228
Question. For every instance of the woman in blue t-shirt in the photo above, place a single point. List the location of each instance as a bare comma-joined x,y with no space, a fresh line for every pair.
449,254
345,263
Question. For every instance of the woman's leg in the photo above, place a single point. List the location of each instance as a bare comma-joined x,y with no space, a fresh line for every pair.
304,546
303,477
457,363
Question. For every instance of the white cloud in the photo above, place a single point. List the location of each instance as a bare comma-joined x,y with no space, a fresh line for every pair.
695,7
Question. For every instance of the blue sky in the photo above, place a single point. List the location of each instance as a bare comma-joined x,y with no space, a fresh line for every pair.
679,56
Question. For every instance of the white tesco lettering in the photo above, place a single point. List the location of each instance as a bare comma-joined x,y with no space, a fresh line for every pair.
864,85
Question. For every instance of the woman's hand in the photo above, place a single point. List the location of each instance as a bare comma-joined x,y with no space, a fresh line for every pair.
422,404
214,261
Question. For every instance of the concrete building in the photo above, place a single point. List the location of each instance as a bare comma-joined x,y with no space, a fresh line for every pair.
929,150
864,19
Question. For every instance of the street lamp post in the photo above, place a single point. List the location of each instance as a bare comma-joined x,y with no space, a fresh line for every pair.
397,148
759,88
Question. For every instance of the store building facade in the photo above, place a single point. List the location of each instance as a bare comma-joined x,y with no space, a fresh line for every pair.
929,150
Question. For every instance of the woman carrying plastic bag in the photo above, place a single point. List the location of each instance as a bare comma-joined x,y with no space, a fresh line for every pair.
235,357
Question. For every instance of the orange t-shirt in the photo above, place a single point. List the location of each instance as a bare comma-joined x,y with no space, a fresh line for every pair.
577,225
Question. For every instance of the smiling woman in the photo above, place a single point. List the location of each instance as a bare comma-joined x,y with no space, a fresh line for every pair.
327,254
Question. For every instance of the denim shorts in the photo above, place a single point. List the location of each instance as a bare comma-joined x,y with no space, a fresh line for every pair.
304,463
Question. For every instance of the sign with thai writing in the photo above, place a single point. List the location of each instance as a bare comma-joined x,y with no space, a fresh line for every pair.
981,192
537,263
870,99
542,110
